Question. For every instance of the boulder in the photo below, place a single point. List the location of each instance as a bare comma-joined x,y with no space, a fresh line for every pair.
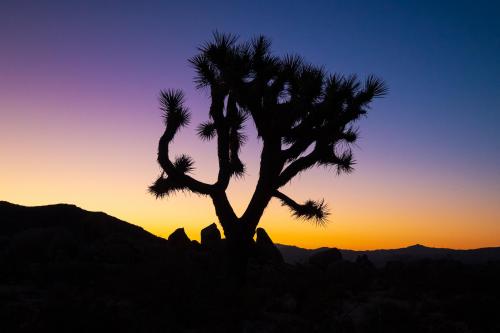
325,257
210,237
179,240
195,245
265,248
363,261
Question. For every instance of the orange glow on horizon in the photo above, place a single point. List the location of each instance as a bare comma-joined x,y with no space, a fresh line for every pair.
61,152
378,206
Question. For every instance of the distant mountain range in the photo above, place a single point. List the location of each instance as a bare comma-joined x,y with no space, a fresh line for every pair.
62,230
293,254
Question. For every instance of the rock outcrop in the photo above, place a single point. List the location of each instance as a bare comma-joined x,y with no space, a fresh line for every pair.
210,237
179,240
324,258
266,251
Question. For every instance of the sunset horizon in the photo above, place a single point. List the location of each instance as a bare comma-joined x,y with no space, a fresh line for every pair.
194,234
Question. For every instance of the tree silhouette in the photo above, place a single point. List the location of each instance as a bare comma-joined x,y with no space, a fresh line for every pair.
304,118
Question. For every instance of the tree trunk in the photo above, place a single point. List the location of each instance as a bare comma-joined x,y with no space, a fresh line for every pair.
239,246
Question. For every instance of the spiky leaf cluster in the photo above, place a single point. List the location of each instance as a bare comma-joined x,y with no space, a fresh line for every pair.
184,163
220,63
206,131
175,115
312,210
166,186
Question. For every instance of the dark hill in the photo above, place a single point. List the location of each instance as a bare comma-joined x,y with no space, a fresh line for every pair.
17,218
293,254
62,232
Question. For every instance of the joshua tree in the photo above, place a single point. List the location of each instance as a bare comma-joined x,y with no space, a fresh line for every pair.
303,117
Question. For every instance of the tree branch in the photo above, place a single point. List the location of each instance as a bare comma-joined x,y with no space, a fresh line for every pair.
217,114
297,166
310,210
270,166
223,210
297,148
286,200
179,177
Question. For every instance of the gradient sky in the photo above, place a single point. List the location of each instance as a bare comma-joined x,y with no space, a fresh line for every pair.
79,117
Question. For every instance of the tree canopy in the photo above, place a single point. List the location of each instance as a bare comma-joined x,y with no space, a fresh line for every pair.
304,117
